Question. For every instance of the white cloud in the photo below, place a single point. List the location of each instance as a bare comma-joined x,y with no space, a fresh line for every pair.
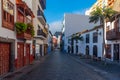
55,26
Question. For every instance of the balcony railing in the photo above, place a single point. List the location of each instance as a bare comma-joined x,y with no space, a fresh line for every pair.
24,36
113,34
23,19
41,33
28,20
43,4
41,16
8,21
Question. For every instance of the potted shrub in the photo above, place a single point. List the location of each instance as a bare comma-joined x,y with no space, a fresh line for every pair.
30,28
20,27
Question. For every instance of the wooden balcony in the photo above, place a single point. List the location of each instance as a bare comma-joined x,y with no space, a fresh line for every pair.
8,25
23,12
113,34
24,35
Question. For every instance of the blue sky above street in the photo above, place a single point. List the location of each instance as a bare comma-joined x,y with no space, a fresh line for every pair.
55,10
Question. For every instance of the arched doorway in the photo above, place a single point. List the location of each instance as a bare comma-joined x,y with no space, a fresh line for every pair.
68,49
116,52
87,50
76,48
95,51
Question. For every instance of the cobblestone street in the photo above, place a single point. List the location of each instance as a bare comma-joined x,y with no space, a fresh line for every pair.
60,66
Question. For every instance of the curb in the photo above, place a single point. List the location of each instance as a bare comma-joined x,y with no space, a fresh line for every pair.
20,74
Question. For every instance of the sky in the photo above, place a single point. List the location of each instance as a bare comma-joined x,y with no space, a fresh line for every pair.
55,10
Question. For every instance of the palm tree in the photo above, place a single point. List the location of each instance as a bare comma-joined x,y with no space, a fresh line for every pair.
76,37
103,15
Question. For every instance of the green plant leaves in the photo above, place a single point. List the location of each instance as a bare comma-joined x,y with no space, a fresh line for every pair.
31,28
22,27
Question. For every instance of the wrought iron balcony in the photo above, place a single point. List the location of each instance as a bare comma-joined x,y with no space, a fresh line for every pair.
43,4
41,34
41,16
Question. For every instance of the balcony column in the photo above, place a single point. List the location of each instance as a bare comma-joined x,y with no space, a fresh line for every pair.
31,19
112,52
24,15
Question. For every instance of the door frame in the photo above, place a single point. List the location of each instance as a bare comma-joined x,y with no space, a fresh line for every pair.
12,51
87,50
23,52
116,56
27,55
95,50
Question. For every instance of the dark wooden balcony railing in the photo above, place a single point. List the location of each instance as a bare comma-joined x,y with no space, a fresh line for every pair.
40,14
41,33
113,34
23,19
8,20
24,35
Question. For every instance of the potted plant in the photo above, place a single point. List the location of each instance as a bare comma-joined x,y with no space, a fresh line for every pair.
30,28
20,27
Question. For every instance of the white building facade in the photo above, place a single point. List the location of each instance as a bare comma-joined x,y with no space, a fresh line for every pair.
91,43
74,23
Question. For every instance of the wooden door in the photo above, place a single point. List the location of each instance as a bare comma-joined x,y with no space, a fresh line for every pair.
20,55
116,52
4,58
27,54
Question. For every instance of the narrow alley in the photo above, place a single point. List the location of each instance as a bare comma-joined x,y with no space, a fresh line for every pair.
60,66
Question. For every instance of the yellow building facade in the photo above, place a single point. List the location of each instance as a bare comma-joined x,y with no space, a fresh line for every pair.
101,4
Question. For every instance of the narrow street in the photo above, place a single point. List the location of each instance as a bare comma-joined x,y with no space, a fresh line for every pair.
60,66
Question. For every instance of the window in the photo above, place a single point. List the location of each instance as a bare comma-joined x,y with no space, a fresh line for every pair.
8,7
95,37
87,38
116,25
5,16
11,18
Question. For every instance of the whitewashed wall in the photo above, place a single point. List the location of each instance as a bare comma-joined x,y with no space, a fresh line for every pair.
6,33
74,23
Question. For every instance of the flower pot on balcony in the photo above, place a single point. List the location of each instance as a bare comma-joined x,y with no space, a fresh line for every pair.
24,31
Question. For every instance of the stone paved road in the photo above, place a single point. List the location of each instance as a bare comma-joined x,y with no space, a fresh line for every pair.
59,66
